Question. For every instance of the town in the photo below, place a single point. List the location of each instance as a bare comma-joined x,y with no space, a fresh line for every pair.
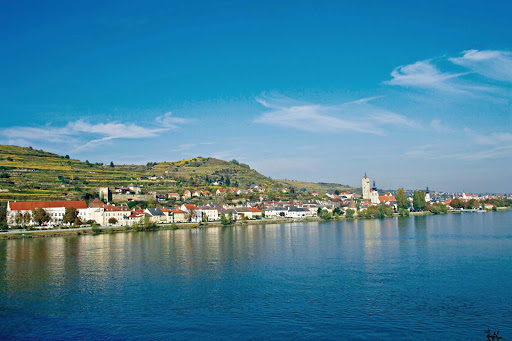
131,206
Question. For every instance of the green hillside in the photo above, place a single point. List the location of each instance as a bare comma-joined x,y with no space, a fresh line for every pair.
320,187
28,174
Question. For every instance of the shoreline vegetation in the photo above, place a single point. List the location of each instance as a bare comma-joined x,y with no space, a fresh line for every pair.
95,230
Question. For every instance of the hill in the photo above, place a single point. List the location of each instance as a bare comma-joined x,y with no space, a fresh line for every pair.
320,187
29,174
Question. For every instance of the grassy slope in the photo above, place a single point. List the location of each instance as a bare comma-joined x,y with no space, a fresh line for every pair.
39,175
34,175
312,186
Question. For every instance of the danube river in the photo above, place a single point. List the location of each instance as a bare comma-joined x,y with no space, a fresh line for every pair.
426,277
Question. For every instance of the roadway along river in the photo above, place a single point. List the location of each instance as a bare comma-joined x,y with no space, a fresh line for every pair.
426,277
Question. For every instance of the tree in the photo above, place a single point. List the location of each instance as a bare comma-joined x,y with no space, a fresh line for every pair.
349,213
27,218
418,201
438,208
326,215
223,220
40,216
401,199
112,221
473,203
18,218
3,216
70,215
66,157
456,203
191,215
111,164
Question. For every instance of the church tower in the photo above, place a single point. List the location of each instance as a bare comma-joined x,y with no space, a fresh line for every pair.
374,195
427,195
366,187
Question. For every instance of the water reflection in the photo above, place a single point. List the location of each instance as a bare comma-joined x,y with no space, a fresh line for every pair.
333,278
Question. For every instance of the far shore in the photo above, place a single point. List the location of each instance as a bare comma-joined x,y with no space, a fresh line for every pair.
19,234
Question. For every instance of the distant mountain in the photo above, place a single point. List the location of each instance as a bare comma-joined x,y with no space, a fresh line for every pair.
320,187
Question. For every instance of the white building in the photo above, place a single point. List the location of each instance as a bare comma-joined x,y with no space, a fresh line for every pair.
374,195
366,187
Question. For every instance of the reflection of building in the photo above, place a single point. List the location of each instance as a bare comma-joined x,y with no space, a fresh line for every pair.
366,187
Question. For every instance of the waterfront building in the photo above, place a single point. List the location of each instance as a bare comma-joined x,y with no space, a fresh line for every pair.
374,195
427,195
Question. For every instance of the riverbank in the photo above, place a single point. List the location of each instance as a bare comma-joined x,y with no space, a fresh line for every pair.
19,234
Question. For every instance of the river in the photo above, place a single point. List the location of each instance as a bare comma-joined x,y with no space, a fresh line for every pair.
417,278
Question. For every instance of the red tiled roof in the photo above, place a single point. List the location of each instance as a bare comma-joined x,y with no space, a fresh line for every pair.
177,210
96,203
254,209
191,207
30,205
115,208
387,198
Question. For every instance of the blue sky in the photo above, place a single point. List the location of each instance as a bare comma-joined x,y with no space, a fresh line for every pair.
413,94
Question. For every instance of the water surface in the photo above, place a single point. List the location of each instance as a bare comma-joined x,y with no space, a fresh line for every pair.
433,277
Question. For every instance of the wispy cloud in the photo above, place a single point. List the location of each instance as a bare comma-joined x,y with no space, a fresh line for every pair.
356,116
82,134
424,74
440,126
491,64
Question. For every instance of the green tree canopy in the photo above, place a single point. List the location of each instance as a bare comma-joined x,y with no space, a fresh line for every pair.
40,216
401,199
418,201
70,215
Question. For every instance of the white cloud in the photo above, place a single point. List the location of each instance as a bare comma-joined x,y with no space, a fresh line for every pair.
491,64
81,134
424,74
440,126
167,120
358,116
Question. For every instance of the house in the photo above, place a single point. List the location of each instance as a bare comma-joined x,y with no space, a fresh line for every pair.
197,193
153,177
174,215
263,197
156,215
211,213
136,217
296,212
256,212
243,212
174,196
387,198
220,191
55,209
119,213
194,213
234,190
275,212
313,193
207,193
187,194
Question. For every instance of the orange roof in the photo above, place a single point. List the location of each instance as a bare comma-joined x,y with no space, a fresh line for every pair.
115,208
387,198
177,210
254,209
96,203
30,205
191,207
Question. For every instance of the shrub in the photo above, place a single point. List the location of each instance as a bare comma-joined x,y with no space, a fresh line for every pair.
95,228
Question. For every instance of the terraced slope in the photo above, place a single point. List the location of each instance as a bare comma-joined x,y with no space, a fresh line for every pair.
28,174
